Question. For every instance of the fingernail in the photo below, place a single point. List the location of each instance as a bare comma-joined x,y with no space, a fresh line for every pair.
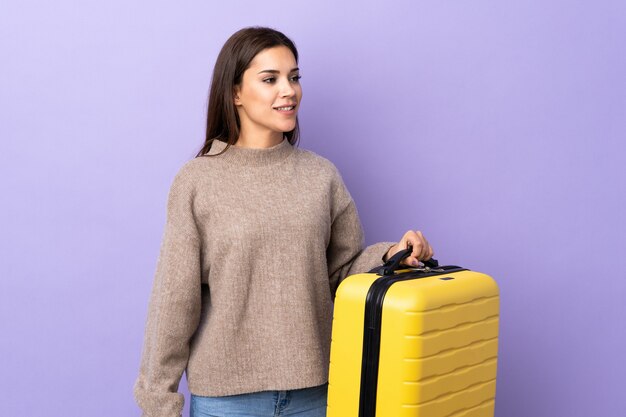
415,263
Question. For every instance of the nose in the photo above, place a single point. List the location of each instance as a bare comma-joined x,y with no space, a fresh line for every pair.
286,89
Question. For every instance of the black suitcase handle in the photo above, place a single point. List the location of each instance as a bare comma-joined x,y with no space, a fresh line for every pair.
393,263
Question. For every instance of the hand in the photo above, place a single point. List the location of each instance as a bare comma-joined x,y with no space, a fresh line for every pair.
421,248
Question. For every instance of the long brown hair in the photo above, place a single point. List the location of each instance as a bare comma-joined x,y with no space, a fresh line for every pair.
239,50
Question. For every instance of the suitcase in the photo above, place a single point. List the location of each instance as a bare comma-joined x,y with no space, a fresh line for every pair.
419,342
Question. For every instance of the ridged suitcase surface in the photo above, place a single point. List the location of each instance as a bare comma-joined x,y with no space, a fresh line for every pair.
414,344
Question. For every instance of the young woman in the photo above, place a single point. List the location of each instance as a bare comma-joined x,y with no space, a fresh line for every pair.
259,234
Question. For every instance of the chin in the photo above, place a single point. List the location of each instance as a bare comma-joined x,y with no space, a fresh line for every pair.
287,128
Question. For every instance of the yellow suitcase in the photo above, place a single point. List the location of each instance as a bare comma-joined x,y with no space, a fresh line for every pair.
419,342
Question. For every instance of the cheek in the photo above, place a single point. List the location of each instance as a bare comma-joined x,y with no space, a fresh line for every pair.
299,93
263,98
253,93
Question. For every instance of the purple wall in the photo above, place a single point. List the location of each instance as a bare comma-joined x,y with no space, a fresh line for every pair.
495,127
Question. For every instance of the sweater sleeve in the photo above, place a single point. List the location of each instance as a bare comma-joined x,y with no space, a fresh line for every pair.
174,308
346,254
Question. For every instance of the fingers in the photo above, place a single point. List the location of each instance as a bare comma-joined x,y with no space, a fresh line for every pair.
421,248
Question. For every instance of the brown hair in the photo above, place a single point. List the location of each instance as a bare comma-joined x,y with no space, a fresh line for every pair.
239,50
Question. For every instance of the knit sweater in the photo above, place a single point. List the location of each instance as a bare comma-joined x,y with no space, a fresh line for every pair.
255,244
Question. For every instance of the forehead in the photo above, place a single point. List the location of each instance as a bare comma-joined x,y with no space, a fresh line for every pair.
278,58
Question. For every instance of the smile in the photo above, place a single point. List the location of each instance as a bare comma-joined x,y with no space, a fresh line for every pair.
287,108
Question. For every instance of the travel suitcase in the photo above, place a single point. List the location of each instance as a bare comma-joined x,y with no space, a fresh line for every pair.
418,342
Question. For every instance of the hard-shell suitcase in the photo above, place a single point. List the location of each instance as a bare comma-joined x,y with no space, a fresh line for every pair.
419,342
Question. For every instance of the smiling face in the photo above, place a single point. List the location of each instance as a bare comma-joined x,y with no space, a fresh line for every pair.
268,97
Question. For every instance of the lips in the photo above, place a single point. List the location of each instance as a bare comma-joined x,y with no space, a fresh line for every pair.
287,107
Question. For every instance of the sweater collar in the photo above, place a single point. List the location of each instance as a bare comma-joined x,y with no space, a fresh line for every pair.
252,156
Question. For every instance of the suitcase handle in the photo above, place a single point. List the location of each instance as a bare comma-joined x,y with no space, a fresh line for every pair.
393,263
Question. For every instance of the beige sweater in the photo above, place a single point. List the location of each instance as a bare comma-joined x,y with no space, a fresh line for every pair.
255,244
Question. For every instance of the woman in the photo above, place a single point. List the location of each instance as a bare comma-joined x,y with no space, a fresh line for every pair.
258,235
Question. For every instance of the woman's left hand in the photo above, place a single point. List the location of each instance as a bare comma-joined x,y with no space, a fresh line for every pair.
421,249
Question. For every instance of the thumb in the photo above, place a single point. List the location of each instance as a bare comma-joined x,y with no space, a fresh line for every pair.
411,259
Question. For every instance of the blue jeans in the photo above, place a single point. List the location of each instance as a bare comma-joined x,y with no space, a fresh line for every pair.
307,402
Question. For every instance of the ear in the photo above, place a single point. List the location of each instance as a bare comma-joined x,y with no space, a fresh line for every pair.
236,99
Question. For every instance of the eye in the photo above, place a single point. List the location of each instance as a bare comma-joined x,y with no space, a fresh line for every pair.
269,80
296,78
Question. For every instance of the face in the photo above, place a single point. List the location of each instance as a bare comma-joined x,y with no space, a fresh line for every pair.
269,95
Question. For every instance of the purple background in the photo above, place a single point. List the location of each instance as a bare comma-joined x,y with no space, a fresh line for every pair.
497,128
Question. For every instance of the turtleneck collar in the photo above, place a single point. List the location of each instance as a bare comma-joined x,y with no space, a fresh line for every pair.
251,156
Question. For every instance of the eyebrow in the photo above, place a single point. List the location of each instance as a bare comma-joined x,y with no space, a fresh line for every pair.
272,71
